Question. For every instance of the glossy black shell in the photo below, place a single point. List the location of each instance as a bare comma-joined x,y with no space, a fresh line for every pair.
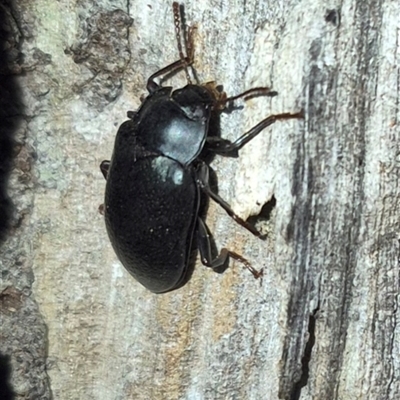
152,197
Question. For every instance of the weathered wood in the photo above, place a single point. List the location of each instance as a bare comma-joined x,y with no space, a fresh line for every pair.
323,322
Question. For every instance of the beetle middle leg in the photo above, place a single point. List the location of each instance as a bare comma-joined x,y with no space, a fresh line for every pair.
203,182
204,245
225,147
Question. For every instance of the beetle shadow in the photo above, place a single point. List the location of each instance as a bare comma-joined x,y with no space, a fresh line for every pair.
6,392
206,155
11,110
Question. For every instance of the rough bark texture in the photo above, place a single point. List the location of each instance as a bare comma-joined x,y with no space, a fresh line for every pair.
323,323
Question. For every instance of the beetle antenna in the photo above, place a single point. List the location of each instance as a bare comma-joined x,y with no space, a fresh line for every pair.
177,20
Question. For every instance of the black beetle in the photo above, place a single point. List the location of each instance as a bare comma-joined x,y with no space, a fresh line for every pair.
156,178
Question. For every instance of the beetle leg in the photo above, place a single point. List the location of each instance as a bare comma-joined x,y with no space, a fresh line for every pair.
204,245
253,92
203,181
153,86
183,62
225,147
104,166
228,103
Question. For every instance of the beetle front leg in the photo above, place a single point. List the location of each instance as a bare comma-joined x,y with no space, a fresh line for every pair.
153,86
184,62
226,147
203,182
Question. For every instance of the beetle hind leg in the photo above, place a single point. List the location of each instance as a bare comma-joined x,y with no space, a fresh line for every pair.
220,262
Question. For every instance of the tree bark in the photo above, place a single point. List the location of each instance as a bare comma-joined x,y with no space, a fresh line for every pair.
323,322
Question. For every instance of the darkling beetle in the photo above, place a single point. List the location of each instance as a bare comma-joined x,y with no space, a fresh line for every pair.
157,179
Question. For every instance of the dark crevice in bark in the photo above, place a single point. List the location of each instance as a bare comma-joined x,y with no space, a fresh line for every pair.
333,17
264,214
392,350
11,110
305,361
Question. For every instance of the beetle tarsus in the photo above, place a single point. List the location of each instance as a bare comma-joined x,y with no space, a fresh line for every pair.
256,273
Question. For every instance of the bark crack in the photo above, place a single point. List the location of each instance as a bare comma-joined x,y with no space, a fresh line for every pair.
392,336
305,361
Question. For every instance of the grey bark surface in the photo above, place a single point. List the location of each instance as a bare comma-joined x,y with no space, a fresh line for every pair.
323,323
